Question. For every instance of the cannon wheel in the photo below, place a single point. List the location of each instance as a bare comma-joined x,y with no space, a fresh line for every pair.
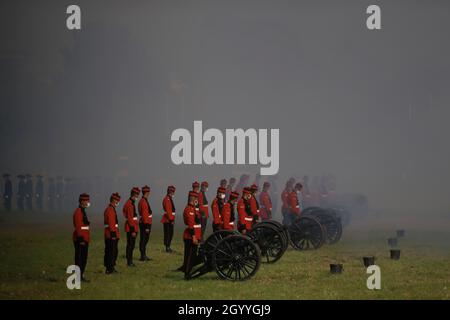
236,258
280,228
270,240
306,233
333,226
211,242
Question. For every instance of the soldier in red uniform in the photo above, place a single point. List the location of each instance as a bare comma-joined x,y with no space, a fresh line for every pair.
285,200
307,196
192,235
168,218
227,212
131,224
266,202
223,183
112,234
254,205
196,188
203,205
245,212
294,205
145,222
230,187
81,233
216,209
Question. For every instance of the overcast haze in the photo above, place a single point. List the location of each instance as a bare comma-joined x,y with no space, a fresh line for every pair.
372,107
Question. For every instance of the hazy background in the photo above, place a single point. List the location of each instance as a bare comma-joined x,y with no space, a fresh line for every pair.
371,107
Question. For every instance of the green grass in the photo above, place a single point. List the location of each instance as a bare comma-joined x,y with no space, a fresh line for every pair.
34,255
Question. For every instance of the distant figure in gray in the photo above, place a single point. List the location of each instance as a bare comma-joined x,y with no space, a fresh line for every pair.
7,192
39,195
21,192
59,193
29,192
274,194
51,194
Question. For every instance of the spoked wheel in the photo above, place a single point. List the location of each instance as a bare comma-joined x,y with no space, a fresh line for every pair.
280,228
307,233
330,222
236,258
211,242
270,240
308,210
343,215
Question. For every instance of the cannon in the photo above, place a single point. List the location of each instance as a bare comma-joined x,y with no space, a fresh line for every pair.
330,220
315,227
305,233
237,257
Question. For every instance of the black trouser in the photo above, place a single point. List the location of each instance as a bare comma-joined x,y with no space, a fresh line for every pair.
190,256
40,203
204,221
81,254
131,242
144,238
285,213
216,227
51,204
111,251
168,234
20,204
59,205
29,202
7,202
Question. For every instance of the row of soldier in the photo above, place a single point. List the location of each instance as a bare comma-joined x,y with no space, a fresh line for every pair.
138,217
49,194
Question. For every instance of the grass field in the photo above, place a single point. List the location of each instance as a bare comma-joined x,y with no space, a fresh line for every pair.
34,255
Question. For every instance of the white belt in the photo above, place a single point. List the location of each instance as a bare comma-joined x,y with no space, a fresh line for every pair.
205,205
150,216
167,213
84,228
297,206
231,223
196,209
197,225
107,225
248,219
134,218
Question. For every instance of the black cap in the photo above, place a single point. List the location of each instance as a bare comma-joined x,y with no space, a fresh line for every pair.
20,176
6,175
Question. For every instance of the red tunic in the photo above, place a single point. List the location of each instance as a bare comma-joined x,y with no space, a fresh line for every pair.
145,211
245,215
192,222
169,210
203,204
81,225
266,205
131,219
217,218
227,216
294,206
284,199
111,223
254,206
